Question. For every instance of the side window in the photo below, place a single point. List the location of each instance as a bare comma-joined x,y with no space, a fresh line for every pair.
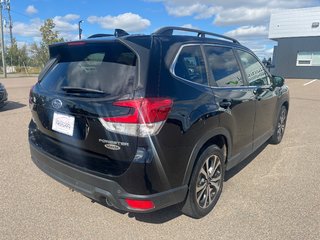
224,66
255,72
190,65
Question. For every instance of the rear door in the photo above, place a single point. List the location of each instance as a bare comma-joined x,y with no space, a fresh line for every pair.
265,98
235,99
79,90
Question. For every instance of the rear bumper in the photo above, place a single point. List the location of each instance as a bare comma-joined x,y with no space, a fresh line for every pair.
101,189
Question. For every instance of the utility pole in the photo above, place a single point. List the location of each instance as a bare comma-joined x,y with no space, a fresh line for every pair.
2,41
10,21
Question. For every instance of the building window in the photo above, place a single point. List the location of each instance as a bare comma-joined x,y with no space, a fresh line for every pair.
308,59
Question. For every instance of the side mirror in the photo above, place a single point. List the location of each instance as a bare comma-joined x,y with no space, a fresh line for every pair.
278,81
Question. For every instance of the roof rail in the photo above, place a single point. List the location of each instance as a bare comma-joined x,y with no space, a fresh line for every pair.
168,31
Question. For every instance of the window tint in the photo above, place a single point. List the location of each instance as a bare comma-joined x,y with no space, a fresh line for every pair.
224,66
110,68
190,65
255,72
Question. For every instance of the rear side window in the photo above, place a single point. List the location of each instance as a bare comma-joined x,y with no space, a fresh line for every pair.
224,66
109,67
190,65
255,72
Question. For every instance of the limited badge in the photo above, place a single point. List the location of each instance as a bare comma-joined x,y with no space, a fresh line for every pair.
112,147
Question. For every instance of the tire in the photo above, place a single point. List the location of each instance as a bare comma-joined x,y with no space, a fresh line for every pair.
280,127
206,183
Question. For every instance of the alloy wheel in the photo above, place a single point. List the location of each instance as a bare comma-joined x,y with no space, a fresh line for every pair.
209,181
281,124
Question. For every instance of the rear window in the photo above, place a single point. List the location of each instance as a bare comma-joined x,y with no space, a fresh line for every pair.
108,67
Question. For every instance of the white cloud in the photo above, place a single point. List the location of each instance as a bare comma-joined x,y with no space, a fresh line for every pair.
249,18
255,38
230,12
261,46
189,26
70,36
242,15
248,31
70,17
31,29
67,26
127,21
31,10
64,23
200,11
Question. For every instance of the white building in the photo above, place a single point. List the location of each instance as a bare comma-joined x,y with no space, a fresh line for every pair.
297,32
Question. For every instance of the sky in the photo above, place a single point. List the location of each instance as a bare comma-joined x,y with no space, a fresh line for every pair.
245,20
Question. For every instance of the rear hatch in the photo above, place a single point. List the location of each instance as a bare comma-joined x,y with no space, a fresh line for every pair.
77,89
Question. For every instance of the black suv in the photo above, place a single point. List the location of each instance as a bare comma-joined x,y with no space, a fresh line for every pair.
3,95
142,122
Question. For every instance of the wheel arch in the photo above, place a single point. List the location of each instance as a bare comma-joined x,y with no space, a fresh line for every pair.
220,136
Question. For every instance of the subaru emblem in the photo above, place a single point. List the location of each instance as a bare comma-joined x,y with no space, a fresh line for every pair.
56,103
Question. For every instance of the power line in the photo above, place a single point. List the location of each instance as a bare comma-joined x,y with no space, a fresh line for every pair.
21,14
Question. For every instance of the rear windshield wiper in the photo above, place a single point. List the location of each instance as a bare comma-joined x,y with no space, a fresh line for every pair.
81,90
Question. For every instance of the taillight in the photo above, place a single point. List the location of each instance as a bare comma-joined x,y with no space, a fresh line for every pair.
146,119
140,204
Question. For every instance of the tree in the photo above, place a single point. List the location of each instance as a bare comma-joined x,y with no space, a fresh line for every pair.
49,36
39,54
16,56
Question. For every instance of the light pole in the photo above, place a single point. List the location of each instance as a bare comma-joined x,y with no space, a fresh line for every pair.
79,27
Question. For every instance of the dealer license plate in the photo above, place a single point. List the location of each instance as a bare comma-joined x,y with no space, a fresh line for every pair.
63,123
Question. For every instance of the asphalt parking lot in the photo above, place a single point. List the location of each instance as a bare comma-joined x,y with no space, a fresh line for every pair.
273,194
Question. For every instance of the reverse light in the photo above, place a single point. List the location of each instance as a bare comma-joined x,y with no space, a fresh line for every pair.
140,204
147,117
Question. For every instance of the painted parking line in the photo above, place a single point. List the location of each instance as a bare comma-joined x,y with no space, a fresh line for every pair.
310,82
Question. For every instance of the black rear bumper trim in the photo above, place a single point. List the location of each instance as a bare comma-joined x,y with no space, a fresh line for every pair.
99,188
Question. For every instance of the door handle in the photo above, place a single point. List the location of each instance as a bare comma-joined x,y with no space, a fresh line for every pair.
261,89
225,103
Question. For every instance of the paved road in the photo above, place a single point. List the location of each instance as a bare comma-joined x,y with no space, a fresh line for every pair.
272,195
